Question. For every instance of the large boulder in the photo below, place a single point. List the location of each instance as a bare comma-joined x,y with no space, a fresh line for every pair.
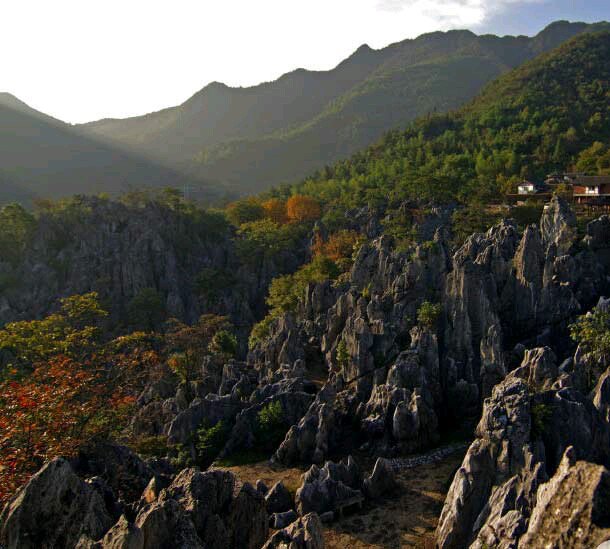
278,499
164,525
309,441
414,423
201,495
542,365
221,517
572,509
558,226
324,489
54,509
381,482
248,522
305,533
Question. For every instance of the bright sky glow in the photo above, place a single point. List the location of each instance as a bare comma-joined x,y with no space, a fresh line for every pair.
81,60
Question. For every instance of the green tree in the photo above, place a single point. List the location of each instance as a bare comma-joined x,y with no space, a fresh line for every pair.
286,291
224,343
265,238
209,442
342,355
16,228
73,332
428,313
147,309
245,211
588,159
271,427
592,333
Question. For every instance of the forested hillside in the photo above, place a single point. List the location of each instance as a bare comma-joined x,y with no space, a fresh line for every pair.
252,138
225,142
550,114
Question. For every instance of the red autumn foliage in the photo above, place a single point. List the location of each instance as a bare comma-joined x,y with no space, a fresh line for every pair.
52,412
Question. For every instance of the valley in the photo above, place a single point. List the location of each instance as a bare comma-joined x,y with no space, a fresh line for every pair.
387,325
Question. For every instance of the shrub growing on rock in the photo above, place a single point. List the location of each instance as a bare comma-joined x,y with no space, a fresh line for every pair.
271,426
428,313
209,442
224,343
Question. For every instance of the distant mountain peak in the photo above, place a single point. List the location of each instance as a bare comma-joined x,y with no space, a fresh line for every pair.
364,48
278,131
9,101
215,85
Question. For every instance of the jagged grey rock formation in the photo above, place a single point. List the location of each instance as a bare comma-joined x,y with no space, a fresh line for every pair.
163,524
305,533
499,344
197,510
278,499
498,289
118,249
381,482
309,440
572,509
327,488
54,509
496,456
525,429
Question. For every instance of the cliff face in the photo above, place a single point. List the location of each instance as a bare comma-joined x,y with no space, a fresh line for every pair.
120,250
359,367
535,475
501,292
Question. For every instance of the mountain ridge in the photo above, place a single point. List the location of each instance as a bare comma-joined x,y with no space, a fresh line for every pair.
279,131
42,157
549,114
234,141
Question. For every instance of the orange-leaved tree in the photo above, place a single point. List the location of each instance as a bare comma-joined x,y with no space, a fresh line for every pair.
275,209
339,245
301,208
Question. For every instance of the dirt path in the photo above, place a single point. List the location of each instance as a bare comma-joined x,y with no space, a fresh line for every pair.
407,519
269,474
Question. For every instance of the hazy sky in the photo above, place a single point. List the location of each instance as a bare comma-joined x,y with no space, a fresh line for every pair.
81,60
